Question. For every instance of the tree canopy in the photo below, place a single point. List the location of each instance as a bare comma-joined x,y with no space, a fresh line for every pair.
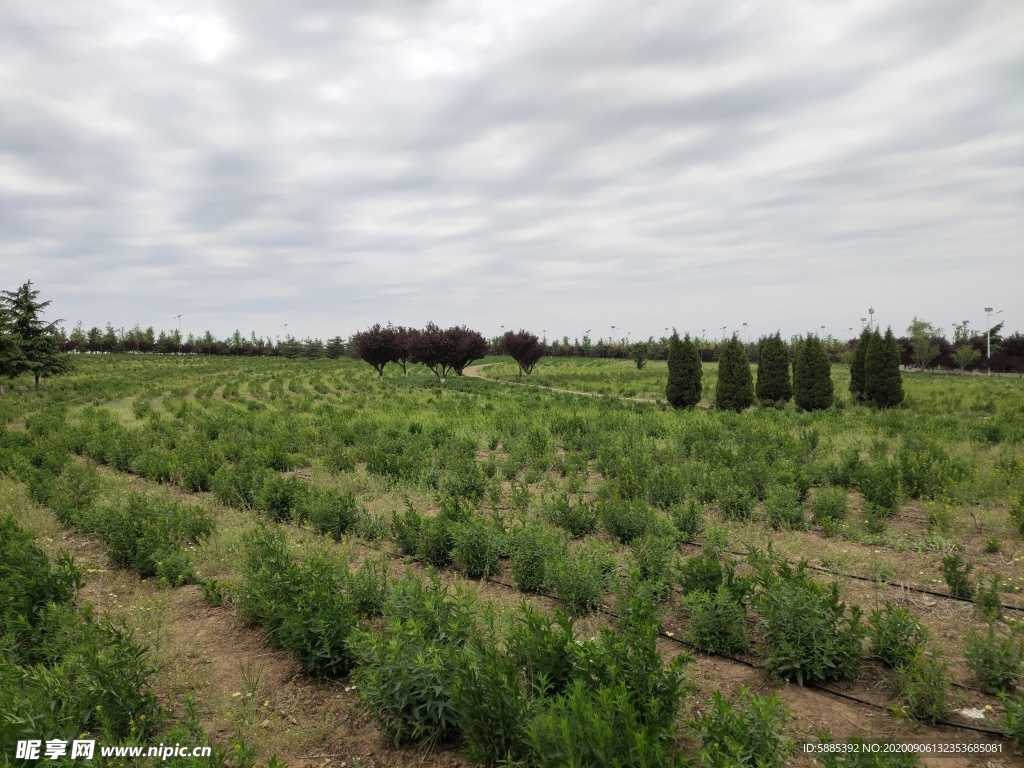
28,344
773,382
523,347
812,375
735,388
684,372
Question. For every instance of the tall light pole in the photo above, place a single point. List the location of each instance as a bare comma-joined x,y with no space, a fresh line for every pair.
746,336
863,320
722,329
988,337
871,314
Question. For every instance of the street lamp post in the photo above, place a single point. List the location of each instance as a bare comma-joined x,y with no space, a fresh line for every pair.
988,336
746,336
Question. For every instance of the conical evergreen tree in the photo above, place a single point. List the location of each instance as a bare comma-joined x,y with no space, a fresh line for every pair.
883,384
857,366
773,383
735,389
812,376
684,372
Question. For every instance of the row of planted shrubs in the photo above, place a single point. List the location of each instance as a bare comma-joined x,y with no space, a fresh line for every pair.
734,469
528,690
67,674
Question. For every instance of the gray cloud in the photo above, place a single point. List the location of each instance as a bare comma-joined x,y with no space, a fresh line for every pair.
560,165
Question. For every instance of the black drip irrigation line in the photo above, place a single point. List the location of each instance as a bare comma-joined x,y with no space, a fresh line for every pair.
752,665
856,577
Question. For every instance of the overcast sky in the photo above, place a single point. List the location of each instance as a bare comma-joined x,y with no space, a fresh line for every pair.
559,165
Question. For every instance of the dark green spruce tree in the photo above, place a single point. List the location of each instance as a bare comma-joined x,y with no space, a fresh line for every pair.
735,389
857,390
812,376
684,372
883,384
773,383
39,352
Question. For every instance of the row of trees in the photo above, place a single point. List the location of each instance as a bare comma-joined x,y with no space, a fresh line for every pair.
28,344
442,350
875,373
875,370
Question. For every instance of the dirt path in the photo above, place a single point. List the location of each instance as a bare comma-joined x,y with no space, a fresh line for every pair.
476,372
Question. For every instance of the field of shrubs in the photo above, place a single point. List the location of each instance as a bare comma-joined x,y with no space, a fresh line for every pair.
494,574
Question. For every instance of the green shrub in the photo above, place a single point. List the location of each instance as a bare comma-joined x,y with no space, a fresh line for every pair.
238,486
1013,718
545,648
783,509
705,572
407,527
491,707
436,541
829,509
626,520
151,535
73,495
446,616
595,727
193,464
94,679
688,519
369,588
405,678
535,550
957,574
302,607
578,519
718,621
924,686
318,622
580,578
995,658
880,486
278,496
809,635
735,501
896,636
749,732
476,549
29,582
329,511
987,599
652,557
